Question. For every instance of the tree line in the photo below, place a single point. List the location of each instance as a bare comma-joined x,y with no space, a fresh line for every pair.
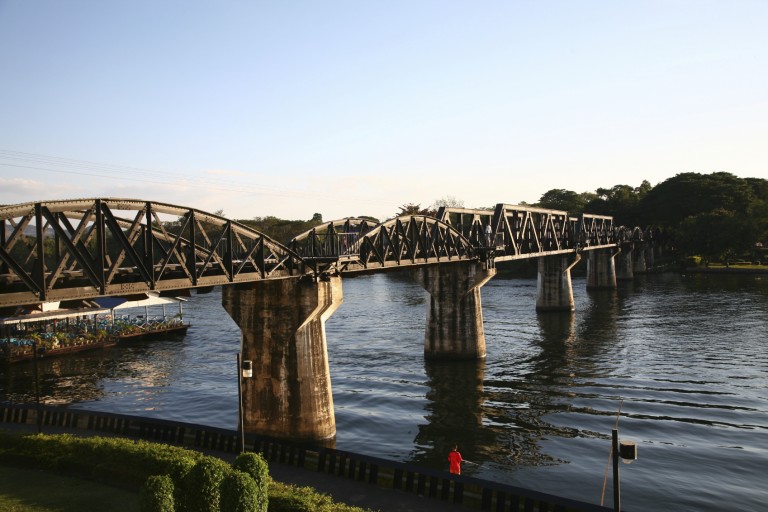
716,216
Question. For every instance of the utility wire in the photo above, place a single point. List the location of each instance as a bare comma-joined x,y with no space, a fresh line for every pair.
85,168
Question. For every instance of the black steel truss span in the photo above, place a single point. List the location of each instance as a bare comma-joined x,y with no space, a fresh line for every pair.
331,240
75,249
354,245
513,232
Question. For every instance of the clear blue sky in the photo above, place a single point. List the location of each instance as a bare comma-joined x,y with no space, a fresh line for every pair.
289,108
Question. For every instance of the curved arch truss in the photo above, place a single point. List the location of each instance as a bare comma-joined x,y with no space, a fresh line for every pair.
331,240
77,249
354,245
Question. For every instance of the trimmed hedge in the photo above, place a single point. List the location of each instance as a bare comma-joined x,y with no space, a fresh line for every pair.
157,494
254,465
122,462
147,467
239,493
201,484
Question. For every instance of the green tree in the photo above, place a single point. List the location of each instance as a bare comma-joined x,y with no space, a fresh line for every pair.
717,235
566,200
622,202
282,230
690,194
413,209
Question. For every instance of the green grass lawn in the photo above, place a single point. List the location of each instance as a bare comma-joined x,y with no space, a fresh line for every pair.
23,490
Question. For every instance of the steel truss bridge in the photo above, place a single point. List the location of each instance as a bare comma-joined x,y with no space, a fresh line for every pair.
86,248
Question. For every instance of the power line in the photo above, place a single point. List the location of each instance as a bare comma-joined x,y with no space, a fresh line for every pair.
61,165
93,169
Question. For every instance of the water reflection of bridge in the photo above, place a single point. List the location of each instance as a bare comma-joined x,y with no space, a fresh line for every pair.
281,296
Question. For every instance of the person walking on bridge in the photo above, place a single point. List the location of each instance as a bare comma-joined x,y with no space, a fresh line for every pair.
454,460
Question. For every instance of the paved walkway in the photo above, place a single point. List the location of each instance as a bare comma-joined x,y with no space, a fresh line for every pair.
351,492
361,494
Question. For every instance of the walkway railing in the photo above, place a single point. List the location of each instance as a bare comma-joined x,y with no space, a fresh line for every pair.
468,491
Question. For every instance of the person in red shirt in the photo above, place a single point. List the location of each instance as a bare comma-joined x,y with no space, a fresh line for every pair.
454,460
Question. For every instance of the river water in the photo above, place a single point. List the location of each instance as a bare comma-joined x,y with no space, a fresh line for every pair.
684,358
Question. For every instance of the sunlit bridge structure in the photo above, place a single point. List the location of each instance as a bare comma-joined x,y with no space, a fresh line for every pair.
281,295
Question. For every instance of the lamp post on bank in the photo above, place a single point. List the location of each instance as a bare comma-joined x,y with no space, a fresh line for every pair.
39,414
244,371
627,451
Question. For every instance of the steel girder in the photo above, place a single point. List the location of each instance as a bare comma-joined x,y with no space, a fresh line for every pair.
77,249
519,232
331,240
97,247
354,245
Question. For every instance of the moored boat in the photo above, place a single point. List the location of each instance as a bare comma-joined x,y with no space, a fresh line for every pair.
49,330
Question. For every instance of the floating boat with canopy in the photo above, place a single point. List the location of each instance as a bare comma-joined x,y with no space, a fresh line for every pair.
56,329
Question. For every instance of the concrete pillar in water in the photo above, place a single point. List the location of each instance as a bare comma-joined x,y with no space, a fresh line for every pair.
455,317
639,265
554,291
601,269
624,265
283,333
650,254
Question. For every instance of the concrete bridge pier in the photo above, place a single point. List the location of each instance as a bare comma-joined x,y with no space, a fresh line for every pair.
601,269
554,291
283,333
639,265
625,266
650,255
455,317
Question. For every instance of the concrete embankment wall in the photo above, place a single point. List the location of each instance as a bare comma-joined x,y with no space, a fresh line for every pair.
440,485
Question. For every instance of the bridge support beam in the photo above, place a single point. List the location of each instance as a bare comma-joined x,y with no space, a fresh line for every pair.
554,291
650,255
625,266
283,333
639,265
601,269
455,317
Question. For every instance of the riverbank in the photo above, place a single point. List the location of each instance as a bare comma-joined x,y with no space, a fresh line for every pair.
733,269
354,479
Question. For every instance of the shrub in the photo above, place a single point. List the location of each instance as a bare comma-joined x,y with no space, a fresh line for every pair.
117,460
239,493
290,498
201,484
157,494
254,465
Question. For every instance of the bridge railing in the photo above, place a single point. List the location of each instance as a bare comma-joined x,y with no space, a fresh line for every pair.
61,250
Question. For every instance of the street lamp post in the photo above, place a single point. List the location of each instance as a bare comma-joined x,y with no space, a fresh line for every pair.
37,389
244,371
627,451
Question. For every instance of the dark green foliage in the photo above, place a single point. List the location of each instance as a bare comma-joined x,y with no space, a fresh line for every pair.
688,194
254,465
281,230
566,200
716,216
202,485
289,498
100,458
97,459
240,494
157,494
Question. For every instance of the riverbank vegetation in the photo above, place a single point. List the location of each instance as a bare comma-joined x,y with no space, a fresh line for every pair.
715,217
127,475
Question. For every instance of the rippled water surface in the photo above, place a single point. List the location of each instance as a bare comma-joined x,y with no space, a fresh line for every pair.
685,357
